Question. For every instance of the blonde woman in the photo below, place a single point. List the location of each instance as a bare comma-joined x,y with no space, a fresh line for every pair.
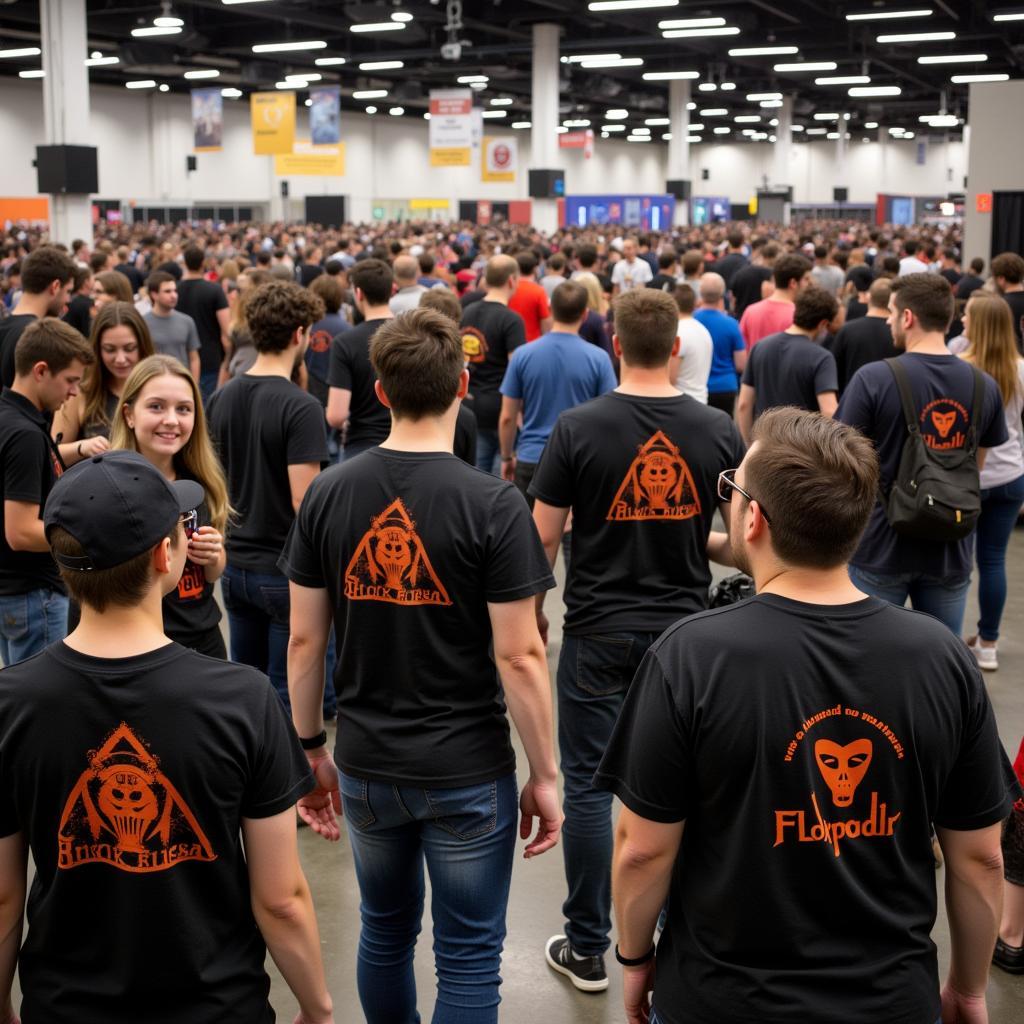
119,339
162,417
990,345
110,286
595,327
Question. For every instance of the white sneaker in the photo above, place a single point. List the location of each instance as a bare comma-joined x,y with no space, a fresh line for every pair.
988,660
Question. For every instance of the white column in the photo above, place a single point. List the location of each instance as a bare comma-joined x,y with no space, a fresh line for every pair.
66,105
544,153
782,170
842,126
679,144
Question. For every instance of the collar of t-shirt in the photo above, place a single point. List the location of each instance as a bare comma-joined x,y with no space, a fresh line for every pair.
19,401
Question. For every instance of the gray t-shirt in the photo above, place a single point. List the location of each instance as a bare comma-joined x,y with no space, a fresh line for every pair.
828,277
406,298
173,335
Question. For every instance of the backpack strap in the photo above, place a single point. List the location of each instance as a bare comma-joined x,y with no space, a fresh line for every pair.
976,409
906,398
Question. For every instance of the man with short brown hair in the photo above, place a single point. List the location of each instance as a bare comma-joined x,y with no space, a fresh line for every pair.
1008,274
771,735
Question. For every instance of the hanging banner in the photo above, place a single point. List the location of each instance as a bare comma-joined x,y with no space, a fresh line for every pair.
325,115
578,140
499,160
207,120
451,127
273,122
324,161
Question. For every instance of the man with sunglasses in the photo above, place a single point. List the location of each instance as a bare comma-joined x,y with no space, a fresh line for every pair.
638,468
780,762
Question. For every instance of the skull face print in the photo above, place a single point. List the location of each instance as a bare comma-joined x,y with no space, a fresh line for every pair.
394,554
658,475
127,800
843,768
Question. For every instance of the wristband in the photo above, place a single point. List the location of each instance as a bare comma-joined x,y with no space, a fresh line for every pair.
508,458
312,742
80,455
639,961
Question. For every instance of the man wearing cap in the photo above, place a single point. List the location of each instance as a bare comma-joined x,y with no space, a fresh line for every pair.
132,768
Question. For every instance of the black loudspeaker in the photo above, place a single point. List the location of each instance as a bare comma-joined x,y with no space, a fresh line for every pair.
547,184
705,174
326,210
190,163
70,169
840,195
678,187
284,189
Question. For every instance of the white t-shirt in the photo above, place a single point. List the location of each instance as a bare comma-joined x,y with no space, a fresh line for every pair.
695,352
631,275
912,265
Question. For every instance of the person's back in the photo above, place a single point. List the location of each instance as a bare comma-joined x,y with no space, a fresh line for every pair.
791,370
207,304
696,348
530,301
866,339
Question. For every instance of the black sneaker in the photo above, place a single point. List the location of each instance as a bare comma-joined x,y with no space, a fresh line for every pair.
1009,958
588,974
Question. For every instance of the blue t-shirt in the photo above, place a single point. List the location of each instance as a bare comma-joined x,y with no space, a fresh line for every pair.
943,391
726,337
550,375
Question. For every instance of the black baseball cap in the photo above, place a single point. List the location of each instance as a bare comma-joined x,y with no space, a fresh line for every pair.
116,505
861,277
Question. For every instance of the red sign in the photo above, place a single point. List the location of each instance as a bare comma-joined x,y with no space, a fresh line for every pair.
483,212
448,107
578,140
983,202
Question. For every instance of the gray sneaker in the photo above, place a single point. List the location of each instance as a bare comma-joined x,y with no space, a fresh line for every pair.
586,973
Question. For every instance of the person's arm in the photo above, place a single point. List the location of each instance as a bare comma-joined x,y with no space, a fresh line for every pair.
645,852
23,529
339,401
828,403
13,861
745,411
674,363
739,355
550,522
982,455
300,476
194,366
224,320
283,908
974,899
523,668
206,548
719,547
510,410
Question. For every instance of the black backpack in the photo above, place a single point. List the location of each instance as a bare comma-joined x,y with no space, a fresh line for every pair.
936,495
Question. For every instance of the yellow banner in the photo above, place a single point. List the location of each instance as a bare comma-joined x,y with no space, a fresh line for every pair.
273,122
325,161
428,204
453,157
499,159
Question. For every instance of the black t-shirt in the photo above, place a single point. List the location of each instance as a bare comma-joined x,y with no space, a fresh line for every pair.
860,342
968,283
191,609
473,295
308,273
662,282
465,435
201,300
11,330
729,266
943,390
129,779
368,419
746,287
855,309
410,548
808,748
132,273
490,334
952,276
1016,303
789,369
263,425
641,476
29,467
79,314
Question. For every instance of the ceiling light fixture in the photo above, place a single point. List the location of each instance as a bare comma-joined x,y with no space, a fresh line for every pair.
304,76
955,58
826,117
728,87
369,94
964,79
920,12
915,37
580,123
478,85
638,138
722,131
168,21
203,73
578,58
231,93
1011,16
21,51
502,101
655,122
870,124
763,51
875,90
381,65
164,87
286,47
495,113
747,118
669,76
630,5
691,23
100,62
808,65
695,126
817,131
155,30
754,97
699,33
521,124
378,26
35,73
843,80
613,127
396,111
470,79
328,62
621,62
940,120
616,114
142,83
371,110
707,86
293,83
403,16
714,112
770,104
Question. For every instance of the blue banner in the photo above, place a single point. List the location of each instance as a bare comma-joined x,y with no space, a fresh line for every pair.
325,115
207,119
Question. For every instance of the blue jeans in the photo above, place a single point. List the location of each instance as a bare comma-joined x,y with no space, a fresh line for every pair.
945,599
488,450
208,383
467,838
29,622
594,673
1000,507
258,607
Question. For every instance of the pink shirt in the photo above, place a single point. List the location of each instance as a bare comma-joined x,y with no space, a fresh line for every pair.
763,318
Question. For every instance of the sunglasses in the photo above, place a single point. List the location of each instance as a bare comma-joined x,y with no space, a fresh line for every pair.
727,484
190,523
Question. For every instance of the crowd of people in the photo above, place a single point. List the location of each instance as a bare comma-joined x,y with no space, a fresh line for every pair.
377,440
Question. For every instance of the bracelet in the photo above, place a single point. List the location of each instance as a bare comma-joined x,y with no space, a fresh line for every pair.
80,455
312,742
508,458
639,961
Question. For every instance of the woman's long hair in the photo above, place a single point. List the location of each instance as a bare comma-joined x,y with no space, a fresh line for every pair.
992,346
197,458
96,385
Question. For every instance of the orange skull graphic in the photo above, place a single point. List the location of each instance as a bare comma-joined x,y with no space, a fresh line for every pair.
129,803
843,768
658,474
393,554
943,422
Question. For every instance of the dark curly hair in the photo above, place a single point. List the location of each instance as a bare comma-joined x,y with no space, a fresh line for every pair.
276,309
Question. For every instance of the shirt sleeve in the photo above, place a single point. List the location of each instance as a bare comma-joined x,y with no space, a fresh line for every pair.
307,434
512,384
220,299
515,333
339,373
26,460
738,344
825,374
280,773
543,306
993,430
745,331
648,761
748,370
193,344
300,560
517,565
554,478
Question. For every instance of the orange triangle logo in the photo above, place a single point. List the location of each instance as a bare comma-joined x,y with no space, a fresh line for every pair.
391,564
125,812
659,485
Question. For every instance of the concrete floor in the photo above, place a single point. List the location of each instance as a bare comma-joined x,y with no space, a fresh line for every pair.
531,991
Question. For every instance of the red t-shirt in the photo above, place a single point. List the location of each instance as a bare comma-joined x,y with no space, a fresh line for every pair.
763,318
530,301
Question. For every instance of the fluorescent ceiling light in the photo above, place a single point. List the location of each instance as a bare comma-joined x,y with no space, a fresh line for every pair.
522,124
21,51
691,23
826,117
327,62
641,131
579,123
578,58
728,86
691,106
234,3
747,118
168,21
955,58
940,120
699,33
722,131
306,44
36,73
470,79
203,73
155,30
369,94
100,62
753,97
495,113
164,87
426,115
964,79
622,62
916,37
817,131
616,114
502,101
808,65
694,138
304,76
143,83
613,127
561,129
763,51
668,76
630,5
231,93
378,26
654,122
307,103
832,135
402,16
478,85
292,83
381,65
871,124
396,111
796,127
843,80
920,12
908,135
707,86
666,137
695,126
770,104
1015,16
638,138
714,112
371,110
875,90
